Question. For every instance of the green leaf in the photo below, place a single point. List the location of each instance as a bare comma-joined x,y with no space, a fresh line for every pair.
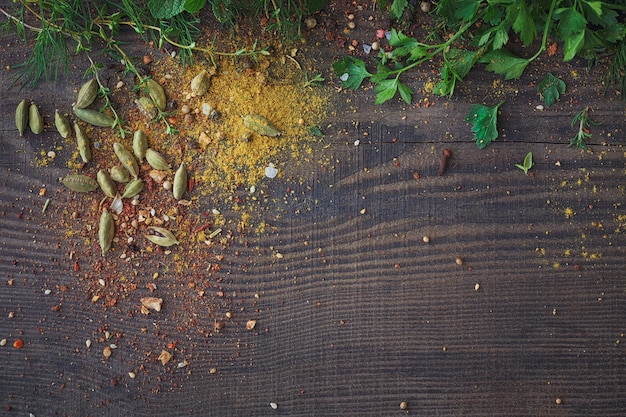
194,6
527,164
403,44
466,9
551,89
315,131
355,70
500,38
385,90
397,8
572,45
596,6
484,123
524,25
165,9
505,63
405,92
571,22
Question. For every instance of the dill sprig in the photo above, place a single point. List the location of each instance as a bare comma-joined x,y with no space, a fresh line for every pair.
90,24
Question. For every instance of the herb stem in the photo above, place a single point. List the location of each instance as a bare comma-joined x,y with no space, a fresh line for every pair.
546,29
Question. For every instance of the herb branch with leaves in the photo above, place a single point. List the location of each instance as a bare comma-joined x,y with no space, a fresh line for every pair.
586,28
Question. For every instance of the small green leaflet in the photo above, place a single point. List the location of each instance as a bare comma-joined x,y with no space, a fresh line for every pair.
484,123
551,89
397,8
405,45
351,71
194,6
386,90
527,164
315,131
165,9
505,63
457,64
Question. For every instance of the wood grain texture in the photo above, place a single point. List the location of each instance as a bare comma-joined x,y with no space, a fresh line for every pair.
358,313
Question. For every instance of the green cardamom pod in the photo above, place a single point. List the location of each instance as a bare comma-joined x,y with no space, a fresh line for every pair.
106,231
133,188
156,160
126,158
180,182
21,117
260,125
161,236
106,183
83,143
87,94
62,124
79,183
120,174
200,83
156,93
146,107
94,117
35,119
140,144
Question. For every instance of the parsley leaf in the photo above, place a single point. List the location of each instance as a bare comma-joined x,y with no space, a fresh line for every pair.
165,9
194,6
551,89
386,90
484,123
505,63
351,71
397,8
403,44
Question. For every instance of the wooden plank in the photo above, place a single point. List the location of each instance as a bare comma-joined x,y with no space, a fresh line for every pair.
357,313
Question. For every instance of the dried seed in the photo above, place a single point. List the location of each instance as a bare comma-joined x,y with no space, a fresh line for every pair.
180,182
106,352
106,231
94,117
163,237
106,183
35,119
156,93
201,83
21,117
156,160
126,158
152,303
140,144
133,188
260,125
80,183
62,124
83,143
250,324
87,94
120,174
146,107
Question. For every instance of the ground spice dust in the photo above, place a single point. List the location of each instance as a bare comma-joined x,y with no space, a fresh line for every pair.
226,165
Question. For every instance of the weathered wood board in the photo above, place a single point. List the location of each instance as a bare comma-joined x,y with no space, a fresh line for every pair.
358,313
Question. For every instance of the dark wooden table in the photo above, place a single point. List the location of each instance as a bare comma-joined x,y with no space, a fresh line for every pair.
358,313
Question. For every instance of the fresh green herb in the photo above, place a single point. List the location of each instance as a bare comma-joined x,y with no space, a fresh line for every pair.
317,79
315,131
583,120
484,123
587,29
527,164
551,89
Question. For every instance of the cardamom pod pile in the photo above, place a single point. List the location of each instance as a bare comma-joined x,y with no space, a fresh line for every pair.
127,174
